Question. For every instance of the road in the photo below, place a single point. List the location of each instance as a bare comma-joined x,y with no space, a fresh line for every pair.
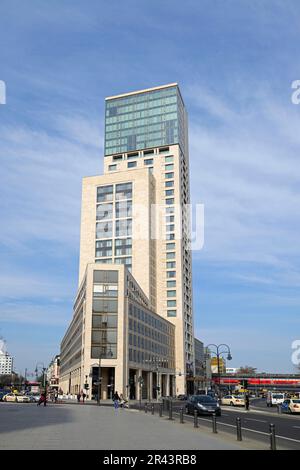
257,419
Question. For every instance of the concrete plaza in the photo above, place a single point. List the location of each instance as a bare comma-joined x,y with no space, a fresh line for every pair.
63,426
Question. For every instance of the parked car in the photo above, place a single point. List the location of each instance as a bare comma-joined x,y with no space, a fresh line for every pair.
203,404
233,400
33,397
182,397
291,405
16,397
2,395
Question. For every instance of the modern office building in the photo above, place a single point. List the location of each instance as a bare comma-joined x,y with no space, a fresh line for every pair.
135,223
6,363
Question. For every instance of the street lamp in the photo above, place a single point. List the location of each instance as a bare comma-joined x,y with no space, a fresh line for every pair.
43,369
219,353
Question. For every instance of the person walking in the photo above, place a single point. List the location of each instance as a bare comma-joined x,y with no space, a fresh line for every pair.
43,399
247,402
55,396
78,397
116,400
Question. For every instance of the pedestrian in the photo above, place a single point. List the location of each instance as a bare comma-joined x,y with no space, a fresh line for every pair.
43,399
55,396
78,397
83,397
247,402
116,400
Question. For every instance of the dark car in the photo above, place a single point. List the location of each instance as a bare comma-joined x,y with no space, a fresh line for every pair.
182,397
203,404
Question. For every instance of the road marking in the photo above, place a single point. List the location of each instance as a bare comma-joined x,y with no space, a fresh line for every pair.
298,427
258,420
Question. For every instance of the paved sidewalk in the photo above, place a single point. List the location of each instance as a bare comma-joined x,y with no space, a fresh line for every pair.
26,426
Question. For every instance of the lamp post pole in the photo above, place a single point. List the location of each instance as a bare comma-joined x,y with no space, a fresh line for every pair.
218,353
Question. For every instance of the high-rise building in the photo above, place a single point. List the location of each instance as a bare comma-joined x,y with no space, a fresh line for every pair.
6,363
136,215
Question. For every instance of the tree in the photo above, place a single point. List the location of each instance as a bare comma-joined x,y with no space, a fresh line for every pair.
248,370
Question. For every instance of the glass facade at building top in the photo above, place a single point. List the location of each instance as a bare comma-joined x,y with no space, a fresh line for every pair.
152,118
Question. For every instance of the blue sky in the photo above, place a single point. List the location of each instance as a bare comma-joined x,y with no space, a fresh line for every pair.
235,62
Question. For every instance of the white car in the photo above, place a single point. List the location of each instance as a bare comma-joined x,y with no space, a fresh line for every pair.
233,400
291,405
16,397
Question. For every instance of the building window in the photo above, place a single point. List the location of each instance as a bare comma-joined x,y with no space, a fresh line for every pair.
104,260
171,255
104,211
169,159
170,228
112,167
124,191
149,161
171,264
104,321
126,261
103,248
123,246
169,184
171,274
105,290
170,246
105,193
103,229
148,152
123,227
169,176
171,303
106,351
169,167
169,192
171,293
170,236
171,283
105,306
123,209
170,219
170,201
171,313
131,164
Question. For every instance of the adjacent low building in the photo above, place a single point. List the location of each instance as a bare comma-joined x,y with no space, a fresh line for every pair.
53,373
116,337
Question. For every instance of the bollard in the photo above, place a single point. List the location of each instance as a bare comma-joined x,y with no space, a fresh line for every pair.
181,415
238,429
152,408
161,409
170,411
214,424
195,419
146,407
279,409
272,437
